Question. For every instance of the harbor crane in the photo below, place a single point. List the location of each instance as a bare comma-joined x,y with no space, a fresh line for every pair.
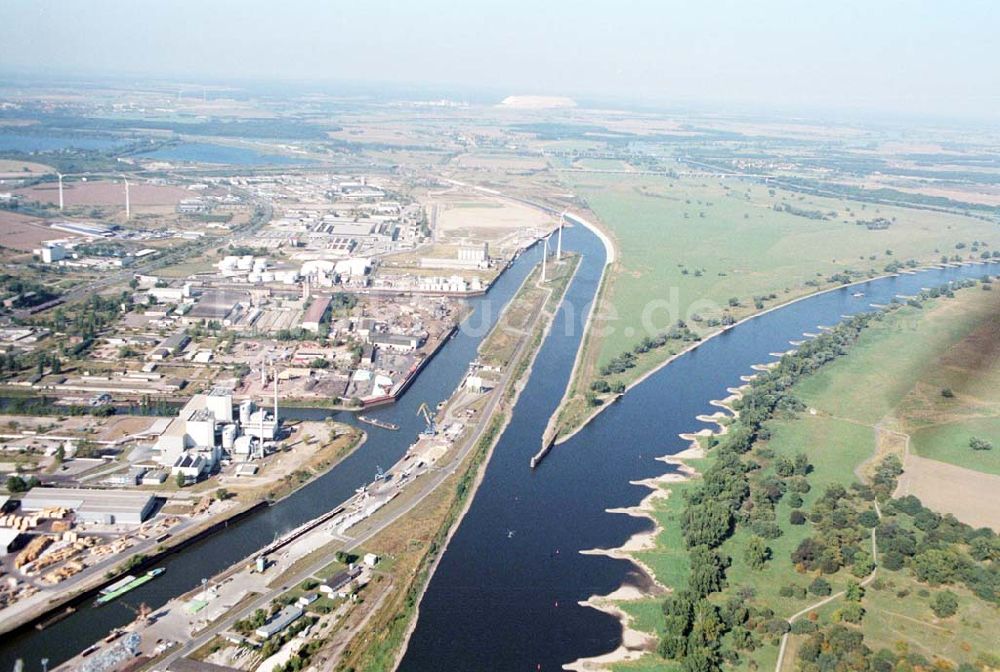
428,417
142,612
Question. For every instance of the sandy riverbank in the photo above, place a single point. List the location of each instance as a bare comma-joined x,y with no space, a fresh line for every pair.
636,643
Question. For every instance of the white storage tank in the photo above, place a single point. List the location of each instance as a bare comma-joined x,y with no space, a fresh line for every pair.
228,437
246,410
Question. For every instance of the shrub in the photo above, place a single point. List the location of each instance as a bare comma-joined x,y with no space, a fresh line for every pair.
797,518
600,386
777,626
851,613
803,627
767,529
944,604
820,587
980,444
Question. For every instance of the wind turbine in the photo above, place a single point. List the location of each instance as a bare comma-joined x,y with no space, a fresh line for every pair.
60,191
562,220
545,254
128,208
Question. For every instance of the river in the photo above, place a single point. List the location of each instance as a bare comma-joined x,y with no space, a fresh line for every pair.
510,602
500,600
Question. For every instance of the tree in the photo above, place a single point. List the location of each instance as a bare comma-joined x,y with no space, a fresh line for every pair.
708,570
600,386
222,494
944,604
707,627
854,592
796,517
756,553
863,565
180,479
16,484
802,466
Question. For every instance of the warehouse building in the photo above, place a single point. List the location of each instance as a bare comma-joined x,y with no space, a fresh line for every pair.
285,617
109,507
313,318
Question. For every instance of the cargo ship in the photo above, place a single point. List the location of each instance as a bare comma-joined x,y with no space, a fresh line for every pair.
119,588
378,423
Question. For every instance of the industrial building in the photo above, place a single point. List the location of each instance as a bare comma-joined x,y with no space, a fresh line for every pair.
207,429
469,257
339,581
315,314
107,507
396,342
285,617
52,252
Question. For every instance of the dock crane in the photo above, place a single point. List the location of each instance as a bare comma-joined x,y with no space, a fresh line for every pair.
430,429
142,612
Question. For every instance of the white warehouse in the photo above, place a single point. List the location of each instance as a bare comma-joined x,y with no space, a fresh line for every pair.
107,507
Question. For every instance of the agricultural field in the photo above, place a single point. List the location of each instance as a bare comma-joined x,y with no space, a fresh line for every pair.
500,162
23,233
104,193
14,168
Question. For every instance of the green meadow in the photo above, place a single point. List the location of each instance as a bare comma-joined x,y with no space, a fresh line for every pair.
693,243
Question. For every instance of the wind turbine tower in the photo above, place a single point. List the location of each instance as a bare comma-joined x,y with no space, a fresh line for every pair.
128,206
275,401
545,254
562,220
60,191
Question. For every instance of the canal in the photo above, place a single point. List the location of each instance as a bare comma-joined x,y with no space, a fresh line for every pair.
443,373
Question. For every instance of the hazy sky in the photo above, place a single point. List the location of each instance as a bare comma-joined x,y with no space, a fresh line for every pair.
893,55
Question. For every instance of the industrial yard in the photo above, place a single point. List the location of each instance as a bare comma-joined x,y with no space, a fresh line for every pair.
163,322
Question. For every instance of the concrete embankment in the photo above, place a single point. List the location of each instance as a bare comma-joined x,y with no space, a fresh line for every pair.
62,605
